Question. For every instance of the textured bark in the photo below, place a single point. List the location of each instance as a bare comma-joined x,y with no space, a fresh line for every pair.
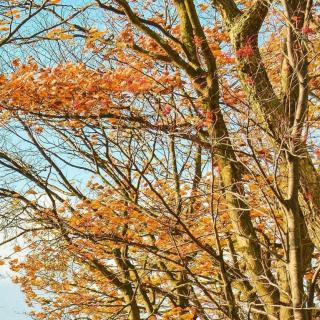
134,313
127,289
225,158
310,197
279,115
294,222
285,301
269,110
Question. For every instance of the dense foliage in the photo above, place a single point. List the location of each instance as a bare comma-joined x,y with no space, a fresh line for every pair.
160,159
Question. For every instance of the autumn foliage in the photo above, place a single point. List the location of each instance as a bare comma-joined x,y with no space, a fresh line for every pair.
160,159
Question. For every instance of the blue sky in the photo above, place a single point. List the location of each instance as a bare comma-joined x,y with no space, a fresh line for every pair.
12,306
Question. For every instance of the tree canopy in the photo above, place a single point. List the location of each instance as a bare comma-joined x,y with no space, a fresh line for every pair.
159,159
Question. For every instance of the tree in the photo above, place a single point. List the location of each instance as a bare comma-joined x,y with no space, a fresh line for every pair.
213,106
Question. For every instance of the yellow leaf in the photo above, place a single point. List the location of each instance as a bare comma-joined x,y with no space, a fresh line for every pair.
95,204
203,6
17,248
31,191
